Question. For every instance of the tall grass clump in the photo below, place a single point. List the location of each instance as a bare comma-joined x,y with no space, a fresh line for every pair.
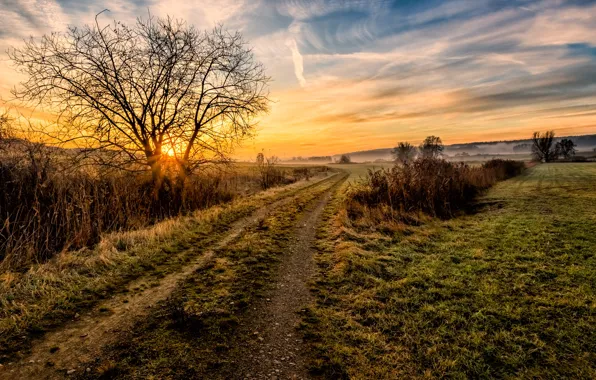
45,209
43,213
429,185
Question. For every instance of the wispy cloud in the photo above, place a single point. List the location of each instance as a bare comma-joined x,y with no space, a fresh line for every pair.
298,61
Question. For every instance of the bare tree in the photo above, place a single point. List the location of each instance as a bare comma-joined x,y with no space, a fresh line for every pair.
566,148
157,90
542,146
345,159
404,153
432,147
269,173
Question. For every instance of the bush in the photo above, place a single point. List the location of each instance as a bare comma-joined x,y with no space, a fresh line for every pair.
270,174
345,159
429,185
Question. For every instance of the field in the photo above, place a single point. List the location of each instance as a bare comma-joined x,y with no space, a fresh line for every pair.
297,190
285,283
505,291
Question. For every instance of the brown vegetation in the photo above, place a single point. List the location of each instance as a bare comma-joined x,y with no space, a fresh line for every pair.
429,185
46,209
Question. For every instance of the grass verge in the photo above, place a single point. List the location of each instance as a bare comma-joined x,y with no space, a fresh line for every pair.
506,292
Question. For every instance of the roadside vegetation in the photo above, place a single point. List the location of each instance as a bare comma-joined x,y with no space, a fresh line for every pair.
505,289
432,186
48,208
193,333
47,294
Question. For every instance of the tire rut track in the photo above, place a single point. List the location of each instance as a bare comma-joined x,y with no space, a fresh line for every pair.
81,340
269,346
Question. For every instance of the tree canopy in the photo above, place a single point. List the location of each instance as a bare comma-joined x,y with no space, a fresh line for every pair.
404,153
543,148
140,94
432,147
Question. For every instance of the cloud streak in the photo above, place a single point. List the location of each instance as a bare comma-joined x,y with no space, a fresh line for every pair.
298,61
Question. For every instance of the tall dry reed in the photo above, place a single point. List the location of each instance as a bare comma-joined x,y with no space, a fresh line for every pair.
433,186
44,210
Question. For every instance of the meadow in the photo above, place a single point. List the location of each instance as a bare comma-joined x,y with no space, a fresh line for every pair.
506,289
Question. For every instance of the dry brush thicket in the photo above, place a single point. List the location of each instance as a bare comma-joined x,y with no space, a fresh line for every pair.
46,208
433,186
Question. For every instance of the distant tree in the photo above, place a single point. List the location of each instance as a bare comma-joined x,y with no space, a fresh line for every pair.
432,147
566,148
154,91
543,148
345,159
404,153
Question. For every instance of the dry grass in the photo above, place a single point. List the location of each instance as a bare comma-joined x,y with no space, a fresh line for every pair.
45,209
47,293
432,186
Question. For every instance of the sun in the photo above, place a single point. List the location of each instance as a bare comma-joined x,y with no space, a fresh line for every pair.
170,152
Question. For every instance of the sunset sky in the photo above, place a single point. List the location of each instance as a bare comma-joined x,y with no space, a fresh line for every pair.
356,75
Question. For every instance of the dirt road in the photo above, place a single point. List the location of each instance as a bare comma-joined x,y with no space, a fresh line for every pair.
268,345
65,350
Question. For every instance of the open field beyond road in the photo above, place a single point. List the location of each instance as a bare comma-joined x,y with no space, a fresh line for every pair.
508,291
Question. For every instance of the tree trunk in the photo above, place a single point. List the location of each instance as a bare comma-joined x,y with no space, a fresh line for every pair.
154,162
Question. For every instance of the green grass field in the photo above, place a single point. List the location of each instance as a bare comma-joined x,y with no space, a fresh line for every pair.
508,291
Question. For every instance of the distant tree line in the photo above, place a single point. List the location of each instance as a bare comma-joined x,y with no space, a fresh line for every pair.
543,148
312,159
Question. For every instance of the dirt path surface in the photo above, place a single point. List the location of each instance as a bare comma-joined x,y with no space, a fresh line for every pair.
269,346
65,350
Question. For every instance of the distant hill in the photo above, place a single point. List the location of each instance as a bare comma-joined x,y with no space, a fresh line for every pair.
584,143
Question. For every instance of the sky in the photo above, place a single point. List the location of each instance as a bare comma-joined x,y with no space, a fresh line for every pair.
354,75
